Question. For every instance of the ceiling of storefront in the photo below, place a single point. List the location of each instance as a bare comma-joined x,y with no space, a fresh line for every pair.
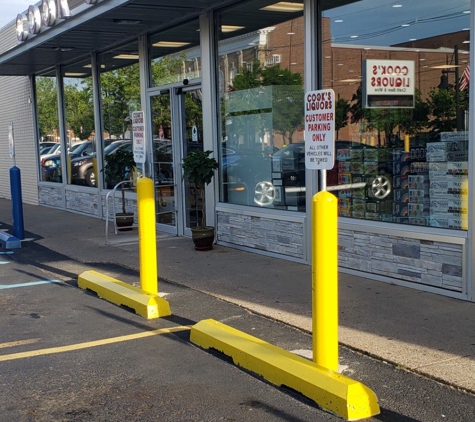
113,23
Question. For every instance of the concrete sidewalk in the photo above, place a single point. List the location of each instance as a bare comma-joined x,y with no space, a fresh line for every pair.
424,332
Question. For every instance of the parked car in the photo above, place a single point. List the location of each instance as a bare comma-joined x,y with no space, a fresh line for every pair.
82,168
51,163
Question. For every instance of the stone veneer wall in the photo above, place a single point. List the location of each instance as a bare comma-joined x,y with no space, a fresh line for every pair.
266,234
51,196
426,262
83,202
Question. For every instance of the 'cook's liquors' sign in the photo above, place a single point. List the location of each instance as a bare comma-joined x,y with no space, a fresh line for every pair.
388,84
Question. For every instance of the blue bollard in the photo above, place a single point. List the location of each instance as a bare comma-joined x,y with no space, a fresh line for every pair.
17,203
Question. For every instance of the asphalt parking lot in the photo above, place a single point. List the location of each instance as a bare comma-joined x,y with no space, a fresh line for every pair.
66,355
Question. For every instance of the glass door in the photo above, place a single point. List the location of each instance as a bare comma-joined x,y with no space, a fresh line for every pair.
192,140
177,129
163,162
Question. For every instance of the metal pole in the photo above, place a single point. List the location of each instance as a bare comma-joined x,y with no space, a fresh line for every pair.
325,280
147,236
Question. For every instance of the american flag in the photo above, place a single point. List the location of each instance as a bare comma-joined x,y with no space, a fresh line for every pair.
465,79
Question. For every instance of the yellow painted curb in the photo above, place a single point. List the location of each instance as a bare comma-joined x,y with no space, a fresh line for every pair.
332,391
148,305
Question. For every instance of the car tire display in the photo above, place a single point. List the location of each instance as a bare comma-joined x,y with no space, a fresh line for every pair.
264,193
380,187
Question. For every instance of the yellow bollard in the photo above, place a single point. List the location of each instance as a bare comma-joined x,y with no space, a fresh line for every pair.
94,169
147,236
407,144
325,280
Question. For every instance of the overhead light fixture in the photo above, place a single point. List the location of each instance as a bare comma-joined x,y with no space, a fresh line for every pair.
231,28
170,44
74,74
127,21
127,56
88,66
63,49
445,66
284,6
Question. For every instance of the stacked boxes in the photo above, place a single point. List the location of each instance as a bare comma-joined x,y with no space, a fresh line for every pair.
448,175
429,183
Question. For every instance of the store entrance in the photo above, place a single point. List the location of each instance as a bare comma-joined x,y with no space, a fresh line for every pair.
177,129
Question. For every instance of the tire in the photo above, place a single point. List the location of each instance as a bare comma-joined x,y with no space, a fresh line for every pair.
264,194
380,187
90,178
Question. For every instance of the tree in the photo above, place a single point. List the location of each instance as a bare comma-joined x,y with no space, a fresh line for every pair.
342,109
120,96
79,106
285,101
443,109
47,104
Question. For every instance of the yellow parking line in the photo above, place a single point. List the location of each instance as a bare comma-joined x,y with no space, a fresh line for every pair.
18,343
89,344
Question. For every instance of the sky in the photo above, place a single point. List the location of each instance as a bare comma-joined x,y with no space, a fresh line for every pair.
9,9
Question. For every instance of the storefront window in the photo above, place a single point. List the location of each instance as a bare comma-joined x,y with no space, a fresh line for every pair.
120,96
49,146
402,110
175,55
261,92
79,116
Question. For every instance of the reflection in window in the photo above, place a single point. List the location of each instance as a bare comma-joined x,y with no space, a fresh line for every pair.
120,96
401,114
81,139
48,122
176,55
262,110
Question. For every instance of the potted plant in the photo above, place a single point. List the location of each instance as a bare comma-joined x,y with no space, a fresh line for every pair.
198,169
119,168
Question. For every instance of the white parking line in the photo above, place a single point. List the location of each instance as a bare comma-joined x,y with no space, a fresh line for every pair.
32,283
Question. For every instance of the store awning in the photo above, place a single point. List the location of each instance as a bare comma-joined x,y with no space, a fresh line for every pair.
92,28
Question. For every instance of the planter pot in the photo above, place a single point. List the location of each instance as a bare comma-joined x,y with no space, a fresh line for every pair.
203,238
124,222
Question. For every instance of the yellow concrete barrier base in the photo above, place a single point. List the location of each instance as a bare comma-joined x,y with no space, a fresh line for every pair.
332,391
148,305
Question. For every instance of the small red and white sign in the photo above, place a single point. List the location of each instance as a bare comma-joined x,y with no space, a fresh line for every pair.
138,136
320,129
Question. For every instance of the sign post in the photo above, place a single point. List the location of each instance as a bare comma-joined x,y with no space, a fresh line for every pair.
320,155
15,189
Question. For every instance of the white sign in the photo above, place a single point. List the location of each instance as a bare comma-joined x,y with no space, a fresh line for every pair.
11,141
138,136
320,129
388,84
194,134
